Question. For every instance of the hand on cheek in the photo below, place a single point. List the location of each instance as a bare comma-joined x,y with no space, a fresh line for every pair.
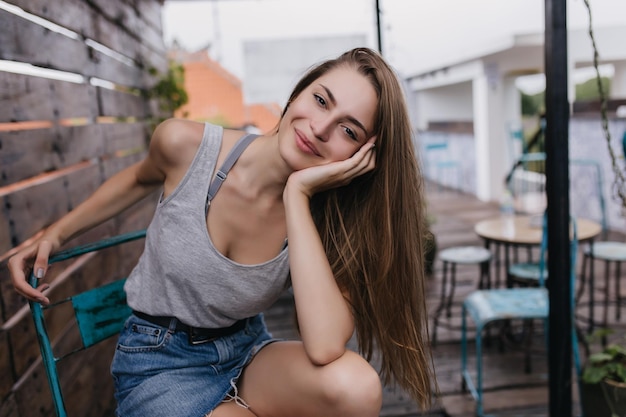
335,174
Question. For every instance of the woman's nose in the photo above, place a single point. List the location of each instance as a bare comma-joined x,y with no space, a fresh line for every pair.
321,128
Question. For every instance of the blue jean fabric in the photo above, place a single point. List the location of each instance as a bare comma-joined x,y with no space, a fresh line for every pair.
157,372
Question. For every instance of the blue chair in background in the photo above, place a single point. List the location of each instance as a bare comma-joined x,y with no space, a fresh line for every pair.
612,253
516,142
586,199
440,167
489,306
526,182
100,313
450,258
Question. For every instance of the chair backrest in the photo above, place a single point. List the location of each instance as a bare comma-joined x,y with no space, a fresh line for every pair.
573,252
572,297
100,313
439,162
516,142
440,145
587,191
526,183
435,152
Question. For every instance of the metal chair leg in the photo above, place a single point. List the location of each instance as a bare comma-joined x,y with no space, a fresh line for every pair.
479,374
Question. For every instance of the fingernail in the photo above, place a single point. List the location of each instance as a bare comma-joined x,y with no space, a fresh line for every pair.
39,273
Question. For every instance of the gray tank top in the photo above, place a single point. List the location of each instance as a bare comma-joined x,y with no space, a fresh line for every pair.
181,273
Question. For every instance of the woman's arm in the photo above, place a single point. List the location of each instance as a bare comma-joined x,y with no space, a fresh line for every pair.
172,143
114,196
324,315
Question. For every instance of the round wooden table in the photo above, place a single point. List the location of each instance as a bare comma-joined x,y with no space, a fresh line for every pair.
525,232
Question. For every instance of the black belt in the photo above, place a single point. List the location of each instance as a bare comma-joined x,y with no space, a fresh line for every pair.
196,335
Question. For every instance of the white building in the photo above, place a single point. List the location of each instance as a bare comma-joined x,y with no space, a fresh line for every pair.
273,66
476,103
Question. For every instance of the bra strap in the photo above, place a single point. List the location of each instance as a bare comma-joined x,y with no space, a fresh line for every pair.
230,160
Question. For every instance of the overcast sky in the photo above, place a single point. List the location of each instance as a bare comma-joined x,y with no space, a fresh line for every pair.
417,34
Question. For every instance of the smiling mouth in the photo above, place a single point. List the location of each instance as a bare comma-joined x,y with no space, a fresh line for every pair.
303,143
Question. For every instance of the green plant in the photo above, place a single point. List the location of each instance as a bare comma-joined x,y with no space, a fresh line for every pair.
609,363
533,104
170,88
589,90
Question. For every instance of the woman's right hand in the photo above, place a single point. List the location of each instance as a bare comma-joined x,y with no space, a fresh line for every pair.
32,258
334,174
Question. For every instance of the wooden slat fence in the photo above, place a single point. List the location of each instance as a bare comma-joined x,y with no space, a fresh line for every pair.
72,114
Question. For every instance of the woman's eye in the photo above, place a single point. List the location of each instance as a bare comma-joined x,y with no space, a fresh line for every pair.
320,99
350,133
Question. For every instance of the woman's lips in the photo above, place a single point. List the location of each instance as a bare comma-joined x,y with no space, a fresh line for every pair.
305,146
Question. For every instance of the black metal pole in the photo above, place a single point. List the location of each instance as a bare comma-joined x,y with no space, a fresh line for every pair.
378,30
557,186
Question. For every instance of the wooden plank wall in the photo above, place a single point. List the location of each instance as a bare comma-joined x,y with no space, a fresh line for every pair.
63,132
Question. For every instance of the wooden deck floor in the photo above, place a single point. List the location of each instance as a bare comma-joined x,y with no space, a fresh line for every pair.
509,391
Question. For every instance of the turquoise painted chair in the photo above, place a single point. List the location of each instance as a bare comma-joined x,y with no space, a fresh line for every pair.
100,313
527,273
613,254
438,163
527,183
450,258
489,306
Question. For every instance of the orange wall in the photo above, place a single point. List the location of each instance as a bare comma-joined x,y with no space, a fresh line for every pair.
215,95
265,116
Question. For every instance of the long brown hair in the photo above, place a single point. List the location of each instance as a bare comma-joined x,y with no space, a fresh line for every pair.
374,231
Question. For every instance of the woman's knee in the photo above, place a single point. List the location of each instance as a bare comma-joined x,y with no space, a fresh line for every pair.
352,385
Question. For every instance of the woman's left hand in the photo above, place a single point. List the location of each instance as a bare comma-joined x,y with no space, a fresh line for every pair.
335,174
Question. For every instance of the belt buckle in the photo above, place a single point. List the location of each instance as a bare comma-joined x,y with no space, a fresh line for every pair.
193,340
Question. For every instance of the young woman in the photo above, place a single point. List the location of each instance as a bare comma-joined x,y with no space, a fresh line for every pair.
330,203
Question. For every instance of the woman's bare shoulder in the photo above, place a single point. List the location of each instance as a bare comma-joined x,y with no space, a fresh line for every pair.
176,141
231,136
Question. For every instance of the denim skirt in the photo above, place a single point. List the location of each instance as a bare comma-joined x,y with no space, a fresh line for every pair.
157,372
